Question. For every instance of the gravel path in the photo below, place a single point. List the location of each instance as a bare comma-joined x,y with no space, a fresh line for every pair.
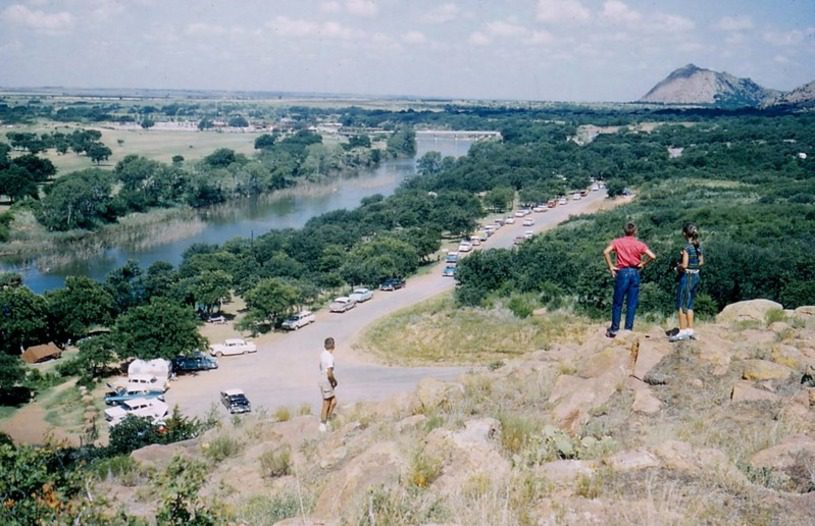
284,371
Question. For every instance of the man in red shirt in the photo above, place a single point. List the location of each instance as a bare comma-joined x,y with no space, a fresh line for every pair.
629,253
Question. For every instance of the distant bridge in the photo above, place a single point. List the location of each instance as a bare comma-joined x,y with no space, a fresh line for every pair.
472,135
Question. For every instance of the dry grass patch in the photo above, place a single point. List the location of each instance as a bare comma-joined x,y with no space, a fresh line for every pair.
438,332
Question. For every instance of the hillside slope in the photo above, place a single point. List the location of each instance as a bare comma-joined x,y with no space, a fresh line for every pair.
691,84
633,430
801,96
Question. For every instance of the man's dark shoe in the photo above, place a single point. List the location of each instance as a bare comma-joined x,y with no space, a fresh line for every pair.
672,332
610,333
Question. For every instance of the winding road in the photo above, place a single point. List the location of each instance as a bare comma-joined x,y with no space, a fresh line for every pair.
284,371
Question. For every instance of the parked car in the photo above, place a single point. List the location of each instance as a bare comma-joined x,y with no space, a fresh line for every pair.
216,319
452,257
120,395
540,208
519,213
231,347
551,203
449,271
518,240
528,222
361,295
499,221
235,401
195,362
475,241
154,409
528,234
297,320
584,193
576,196
392,284
509,220
465,246
342,304
595,187
563,201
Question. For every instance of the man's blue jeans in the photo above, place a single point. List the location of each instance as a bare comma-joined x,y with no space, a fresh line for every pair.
626,287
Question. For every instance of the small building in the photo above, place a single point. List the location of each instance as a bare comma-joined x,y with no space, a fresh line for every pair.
41,353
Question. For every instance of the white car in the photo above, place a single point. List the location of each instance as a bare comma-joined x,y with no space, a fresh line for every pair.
540,208
519,213
528,222
151,408
298,320
465,246
475,241
509,220
563,201
361,295
231,347
576,197
595,187
528,234
342,304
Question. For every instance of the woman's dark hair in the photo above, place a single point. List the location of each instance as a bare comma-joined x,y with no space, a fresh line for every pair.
691,233
630,229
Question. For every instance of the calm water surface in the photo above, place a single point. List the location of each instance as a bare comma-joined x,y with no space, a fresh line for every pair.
249,217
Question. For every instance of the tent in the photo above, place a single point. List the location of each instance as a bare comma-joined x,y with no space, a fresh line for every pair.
41,353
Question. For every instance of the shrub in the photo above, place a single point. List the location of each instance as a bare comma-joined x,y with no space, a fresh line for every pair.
521,305
516,432
221,448
276,462
282,414
424,470
774,315
304,409
267,511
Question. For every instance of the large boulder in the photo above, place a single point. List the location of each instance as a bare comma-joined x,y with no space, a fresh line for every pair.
158,456
745,392
789,356
632,460
382,463
750,310
786,454
469,452
565,472
805,312
574,398
759,370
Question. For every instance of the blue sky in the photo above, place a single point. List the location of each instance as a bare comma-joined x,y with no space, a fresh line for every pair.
576,50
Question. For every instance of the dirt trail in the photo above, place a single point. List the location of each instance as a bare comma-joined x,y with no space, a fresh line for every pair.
28,424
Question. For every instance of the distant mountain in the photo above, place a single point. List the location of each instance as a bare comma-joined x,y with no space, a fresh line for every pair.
694,85
801,96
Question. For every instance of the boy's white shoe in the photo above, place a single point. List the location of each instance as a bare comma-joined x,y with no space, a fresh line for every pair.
323,428
680,336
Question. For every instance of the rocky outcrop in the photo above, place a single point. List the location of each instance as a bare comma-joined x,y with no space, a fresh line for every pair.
751,310
694,85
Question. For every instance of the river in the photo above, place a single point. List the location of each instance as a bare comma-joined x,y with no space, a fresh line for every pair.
245,218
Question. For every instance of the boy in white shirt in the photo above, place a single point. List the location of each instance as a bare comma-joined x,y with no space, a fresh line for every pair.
327,383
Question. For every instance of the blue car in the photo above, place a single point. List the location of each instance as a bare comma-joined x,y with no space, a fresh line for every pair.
117,396
449,271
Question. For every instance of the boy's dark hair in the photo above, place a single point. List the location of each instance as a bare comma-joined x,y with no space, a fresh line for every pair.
329,343
630,229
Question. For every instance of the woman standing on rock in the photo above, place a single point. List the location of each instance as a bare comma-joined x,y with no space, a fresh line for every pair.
689,280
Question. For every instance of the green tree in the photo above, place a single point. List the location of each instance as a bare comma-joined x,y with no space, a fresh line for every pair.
11,371
98,152
78,200
147,123
178,488
372,261
81,304
161,329
500,198
211,288
16,183
402,143
23,319
265,141
272,299
238,121
38,169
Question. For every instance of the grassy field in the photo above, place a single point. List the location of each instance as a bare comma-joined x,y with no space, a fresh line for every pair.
436,332
160,145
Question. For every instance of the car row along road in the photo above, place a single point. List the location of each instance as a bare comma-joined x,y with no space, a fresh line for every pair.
284,371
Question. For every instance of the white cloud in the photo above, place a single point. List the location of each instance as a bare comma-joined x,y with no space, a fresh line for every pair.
441,14
506,29
479,39
330,7
39,20
542,37
663,23
735,39
618,12
562,11
414,37
781,59
203,29
294,28
361,7
788,38
735,23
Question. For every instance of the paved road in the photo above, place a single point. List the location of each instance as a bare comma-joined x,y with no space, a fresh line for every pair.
284,371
